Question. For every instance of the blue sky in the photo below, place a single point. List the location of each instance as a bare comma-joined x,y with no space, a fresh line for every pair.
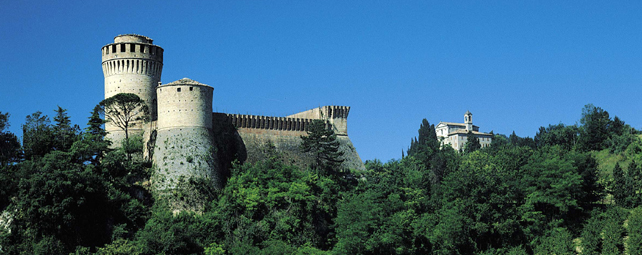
516,65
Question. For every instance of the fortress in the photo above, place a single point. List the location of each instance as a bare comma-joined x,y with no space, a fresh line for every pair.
185,138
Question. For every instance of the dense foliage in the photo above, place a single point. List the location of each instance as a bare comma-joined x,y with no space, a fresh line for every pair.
569,190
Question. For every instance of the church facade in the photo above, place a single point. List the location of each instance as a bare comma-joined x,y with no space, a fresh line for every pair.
458,134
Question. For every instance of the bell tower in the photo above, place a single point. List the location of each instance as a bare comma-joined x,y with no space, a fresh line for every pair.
468,120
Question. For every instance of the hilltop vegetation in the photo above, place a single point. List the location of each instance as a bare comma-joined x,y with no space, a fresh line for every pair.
568,190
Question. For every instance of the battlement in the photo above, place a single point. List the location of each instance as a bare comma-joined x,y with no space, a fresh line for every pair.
132,50
271,123
337,116
324,112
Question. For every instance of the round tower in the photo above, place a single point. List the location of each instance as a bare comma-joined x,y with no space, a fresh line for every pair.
132,64
184,146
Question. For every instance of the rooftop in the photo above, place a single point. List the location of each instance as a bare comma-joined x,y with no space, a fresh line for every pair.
185,81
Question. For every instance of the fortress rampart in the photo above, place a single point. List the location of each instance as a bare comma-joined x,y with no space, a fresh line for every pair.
186,139
271,123
336,115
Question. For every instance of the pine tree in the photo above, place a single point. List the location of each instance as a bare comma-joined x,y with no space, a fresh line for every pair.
93,145
634,242
322,143
9,144
63,132
619,185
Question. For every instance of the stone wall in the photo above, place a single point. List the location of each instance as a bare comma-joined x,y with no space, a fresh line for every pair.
184,153
260,136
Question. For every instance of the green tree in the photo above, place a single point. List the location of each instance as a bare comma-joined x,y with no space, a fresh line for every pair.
322,143
383,214
64,134
269,201
92,145
560,134
124,110
472,143
37,136
634,242
556,241
426,144
618,186
592,235
633,185
165,233
9,144
613,231
60,199
594,131
553,190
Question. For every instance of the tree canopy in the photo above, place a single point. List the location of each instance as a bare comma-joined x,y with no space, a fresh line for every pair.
570,188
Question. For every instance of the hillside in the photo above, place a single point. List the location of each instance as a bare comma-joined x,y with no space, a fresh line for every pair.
570,188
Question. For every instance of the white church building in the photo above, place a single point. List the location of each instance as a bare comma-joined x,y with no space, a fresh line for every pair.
456,134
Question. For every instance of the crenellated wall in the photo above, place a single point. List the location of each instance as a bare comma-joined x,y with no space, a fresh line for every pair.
271,123
336,116
284,133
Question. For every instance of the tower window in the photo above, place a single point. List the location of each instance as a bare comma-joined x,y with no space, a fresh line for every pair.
178,90
191,88
122,48
113,48
132,47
